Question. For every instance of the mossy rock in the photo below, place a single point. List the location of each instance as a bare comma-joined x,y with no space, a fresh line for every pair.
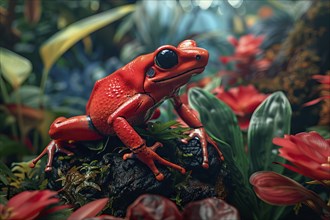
93,174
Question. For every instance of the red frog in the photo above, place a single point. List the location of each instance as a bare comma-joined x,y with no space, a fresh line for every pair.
128,97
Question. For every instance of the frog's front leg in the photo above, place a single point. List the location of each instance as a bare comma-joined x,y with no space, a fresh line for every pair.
139,103
198,129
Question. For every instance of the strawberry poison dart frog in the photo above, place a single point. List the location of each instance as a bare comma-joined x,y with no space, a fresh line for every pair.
128,97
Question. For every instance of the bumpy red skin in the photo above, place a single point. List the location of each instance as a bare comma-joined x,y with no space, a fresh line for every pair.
127,98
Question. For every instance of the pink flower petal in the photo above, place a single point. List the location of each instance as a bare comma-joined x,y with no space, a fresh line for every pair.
316,142
308,152
30,203
277,189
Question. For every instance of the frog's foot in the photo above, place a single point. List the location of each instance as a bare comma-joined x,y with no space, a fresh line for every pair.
133,155
147,155
53,147
201,134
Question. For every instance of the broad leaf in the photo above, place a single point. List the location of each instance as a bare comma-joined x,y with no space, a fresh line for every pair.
14,68
271,119
11,147
29,95
220,121
215,83
241,194
59,43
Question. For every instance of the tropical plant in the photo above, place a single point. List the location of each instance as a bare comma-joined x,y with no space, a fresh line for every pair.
271,119
309,156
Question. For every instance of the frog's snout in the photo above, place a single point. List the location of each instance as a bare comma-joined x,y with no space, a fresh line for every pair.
202,56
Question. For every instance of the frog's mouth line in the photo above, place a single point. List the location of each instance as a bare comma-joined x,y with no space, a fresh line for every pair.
201,69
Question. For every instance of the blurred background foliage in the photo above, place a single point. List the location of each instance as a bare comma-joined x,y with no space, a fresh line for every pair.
52,52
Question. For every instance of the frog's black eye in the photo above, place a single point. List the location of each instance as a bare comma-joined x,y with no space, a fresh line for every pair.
166,59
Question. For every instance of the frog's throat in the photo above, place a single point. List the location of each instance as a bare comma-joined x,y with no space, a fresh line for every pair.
200,69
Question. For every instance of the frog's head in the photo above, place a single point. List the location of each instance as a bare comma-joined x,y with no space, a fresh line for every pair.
166,69
173,67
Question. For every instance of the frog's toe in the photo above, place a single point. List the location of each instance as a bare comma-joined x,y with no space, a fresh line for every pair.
48,168
205,165
159,176
59,148
32,164
155,146
128,156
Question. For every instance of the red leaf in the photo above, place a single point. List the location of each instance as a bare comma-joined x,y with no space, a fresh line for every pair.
151,207
89,210
210,209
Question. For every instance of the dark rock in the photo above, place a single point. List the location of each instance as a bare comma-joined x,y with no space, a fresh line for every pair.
93,174
130,179
195,190
191,157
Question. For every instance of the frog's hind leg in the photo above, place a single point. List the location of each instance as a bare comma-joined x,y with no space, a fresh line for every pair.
53,147
64,132
77,128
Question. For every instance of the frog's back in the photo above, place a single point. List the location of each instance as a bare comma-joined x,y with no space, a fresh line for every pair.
108,94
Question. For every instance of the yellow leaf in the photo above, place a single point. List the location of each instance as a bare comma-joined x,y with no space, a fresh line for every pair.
14,68
59,43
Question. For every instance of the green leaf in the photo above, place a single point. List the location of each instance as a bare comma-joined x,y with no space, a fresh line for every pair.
164,131
10,147
4,172
4,179
59,43
124,28
3,197
220,122
271,119
28,94
159,127
14,68
241,195
216,82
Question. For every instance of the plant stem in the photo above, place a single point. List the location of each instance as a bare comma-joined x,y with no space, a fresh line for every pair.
20,116
35,142
4,92
44,76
